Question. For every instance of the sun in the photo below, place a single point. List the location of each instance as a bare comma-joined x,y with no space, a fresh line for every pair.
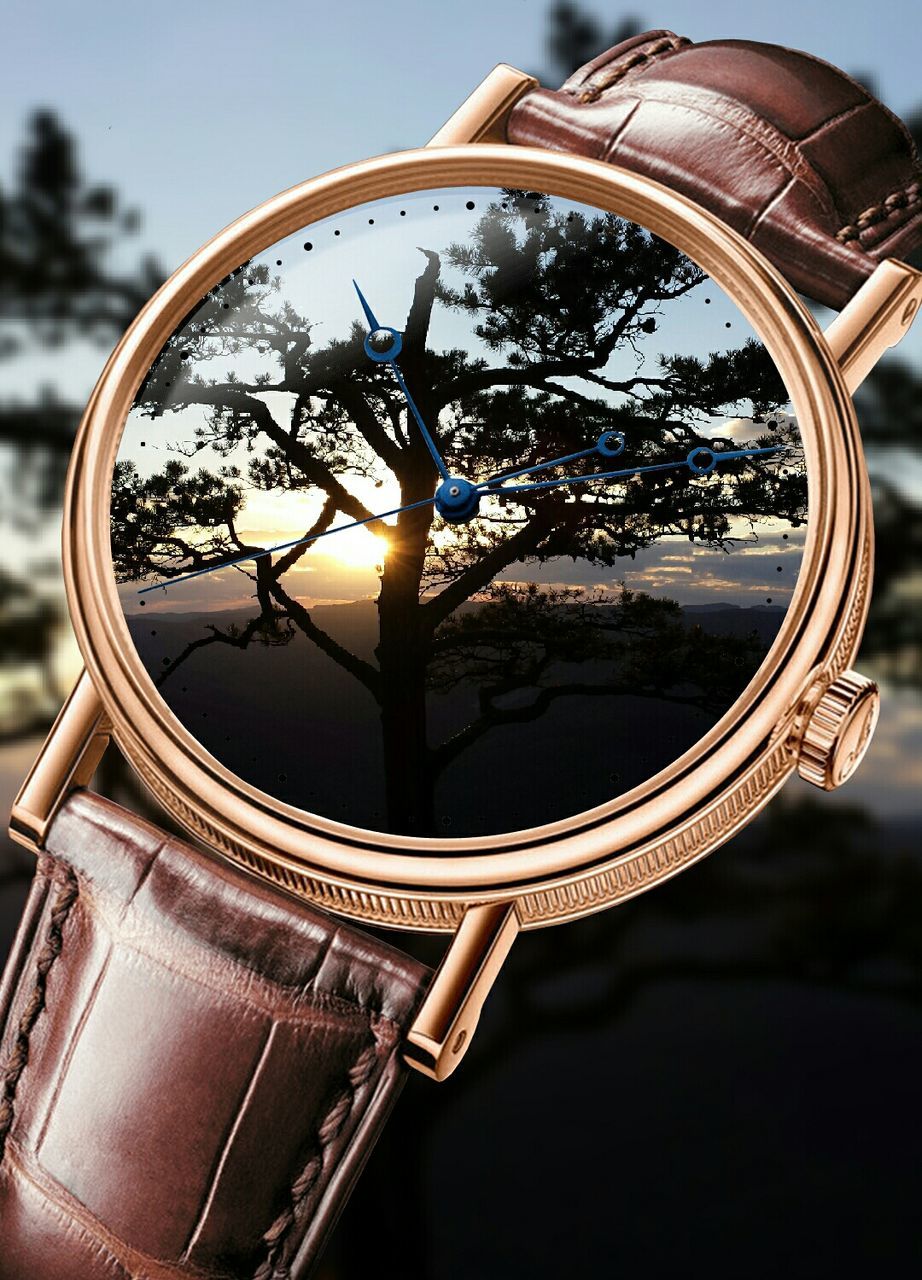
357,548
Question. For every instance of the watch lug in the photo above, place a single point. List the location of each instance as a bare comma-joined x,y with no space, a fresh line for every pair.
482,116
444,1026
877,317
68,759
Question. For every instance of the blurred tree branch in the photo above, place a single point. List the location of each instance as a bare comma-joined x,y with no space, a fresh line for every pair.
60,237
58,232
575,36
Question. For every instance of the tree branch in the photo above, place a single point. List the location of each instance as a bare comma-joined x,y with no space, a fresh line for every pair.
363,671
445,754
482,571
420,314
320,525
224,397
217,637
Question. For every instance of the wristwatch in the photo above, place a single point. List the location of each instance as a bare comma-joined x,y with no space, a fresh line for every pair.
463,541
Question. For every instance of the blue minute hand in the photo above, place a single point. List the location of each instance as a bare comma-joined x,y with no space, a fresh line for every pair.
282,546
700,461
383,345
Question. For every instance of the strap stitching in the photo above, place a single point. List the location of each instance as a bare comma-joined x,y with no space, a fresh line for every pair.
51,948
877,213
277,1239
667,45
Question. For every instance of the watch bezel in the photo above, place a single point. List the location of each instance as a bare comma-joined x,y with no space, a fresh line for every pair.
570,867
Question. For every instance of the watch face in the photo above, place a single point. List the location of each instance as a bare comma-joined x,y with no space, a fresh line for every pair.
592,500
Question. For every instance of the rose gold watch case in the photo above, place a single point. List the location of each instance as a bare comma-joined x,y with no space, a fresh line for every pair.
594,859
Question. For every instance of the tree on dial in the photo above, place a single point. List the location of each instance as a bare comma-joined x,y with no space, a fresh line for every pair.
576,446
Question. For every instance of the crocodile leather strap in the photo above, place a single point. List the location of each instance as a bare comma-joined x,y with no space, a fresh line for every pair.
786,149
192,1067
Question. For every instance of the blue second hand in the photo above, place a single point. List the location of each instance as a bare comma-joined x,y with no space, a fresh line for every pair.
282,546
491,485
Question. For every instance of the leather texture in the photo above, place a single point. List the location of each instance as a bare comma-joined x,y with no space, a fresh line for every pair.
789,151
193,1067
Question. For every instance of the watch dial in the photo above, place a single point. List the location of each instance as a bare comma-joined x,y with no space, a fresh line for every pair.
605,503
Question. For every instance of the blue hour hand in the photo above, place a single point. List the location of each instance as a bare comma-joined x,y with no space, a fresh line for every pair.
383,345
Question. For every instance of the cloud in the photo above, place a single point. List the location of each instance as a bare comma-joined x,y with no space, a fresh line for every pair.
889,780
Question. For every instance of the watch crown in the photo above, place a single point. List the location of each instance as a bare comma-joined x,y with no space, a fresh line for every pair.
839,731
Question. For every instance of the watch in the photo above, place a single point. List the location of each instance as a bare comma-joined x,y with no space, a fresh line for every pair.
462,542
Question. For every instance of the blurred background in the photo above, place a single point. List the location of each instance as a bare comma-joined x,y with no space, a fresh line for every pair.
721,1076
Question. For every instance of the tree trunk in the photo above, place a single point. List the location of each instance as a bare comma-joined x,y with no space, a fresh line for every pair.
403,654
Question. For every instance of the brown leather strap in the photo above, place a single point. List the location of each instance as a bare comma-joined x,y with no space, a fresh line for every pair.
787,149
193,1066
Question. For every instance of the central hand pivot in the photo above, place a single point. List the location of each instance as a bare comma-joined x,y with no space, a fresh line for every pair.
457,500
